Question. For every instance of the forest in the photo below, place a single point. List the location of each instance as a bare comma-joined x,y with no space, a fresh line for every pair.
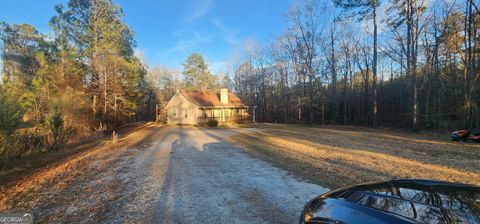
62,88
411,64
400,63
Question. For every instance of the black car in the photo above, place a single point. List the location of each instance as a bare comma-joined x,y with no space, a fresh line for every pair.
397,201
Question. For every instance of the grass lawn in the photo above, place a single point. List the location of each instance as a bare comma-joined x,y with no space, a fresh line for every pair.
336,156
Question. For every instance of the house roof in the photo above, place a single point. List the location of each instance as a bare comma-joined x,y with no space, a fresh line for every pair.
210,98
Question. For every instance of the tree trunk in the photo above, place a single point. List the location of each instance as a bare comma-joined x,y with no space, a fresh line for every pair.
334,79
375,48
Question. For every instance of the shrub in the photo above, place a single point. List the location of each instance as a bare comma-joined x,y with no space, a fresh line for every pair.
212,123
55,131
10,119
8,151
15,146
10,116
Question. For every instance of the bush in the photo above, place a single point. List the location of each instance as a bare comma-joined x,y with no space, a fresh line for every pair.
10,116
10,119
17,145
8,150
212,123
55,131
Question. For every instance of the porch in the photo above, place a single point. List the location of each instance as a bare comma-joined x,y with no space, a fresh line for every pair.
236,115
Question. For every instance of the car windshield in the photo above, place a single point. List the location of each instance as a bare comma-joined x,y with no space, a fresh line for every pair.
444,204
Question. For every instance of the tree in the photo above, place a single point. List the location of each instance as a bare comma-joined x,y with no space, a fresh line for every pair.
10,114
305,30
20,44
226,82
115,77
409,13
50,86
164,84
366,9
196,73
471,61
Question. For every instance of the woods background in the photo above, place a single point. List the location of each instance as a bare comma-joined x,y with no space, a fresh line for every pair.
335,67
397,63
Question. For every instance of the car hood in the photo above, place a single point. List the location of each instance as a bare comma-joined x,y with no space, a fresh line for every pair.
412,200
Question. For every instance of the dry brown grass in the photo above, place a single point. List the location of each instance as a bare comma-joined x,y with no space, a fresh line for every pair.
93,174
339,156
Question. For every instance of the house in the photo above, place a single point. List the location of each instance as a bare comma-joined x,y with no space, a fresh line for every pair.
197,107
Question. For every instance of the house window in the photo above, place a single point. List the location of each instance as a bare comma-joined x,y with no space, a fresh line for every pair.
186,115
174,112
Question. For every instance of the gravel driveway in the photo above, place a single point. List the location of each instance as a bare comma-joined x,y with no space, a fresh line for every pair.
192,175
158,174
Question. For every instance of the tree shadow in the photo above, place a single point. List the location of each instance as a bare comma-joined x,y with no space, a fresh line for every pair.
201,187
443,154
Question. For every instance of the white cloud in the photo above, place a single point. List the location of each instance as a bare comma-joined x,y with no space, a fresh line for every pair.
197,9
186,44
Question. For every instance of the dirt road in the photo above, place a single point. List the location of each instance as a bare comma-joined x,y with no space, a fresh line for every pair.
173,175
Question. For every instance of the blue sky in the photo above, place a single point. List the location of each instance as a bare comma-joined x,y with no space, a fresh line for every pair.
167,31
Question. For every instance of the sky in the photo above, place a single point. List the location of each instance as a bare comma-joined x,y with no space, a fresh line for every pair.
167,31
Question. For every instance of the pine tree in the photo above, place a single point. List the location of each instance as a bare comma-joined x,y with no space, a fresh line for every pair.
366,9
115,78
196,73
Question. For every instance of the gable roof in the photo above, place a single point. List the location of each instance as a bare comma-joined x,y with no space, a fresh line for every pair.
210,98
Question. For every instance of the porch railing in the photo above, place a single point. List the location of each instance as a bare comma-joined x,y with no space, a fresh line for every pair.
230,119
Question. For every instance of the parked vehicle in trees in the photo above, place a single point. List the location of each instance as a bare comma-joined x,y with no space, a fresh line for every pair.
467,135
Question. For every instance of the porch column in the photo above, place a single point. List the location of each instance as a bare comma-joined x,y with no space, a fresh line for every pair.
254,108
222,115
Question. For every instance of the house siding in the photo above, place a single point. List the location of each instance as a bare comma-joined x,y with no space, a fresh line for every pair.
188,108
181,111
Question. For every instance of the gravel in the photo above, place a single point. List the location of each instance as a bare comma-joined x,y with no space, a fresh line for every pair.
192,175
169,174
